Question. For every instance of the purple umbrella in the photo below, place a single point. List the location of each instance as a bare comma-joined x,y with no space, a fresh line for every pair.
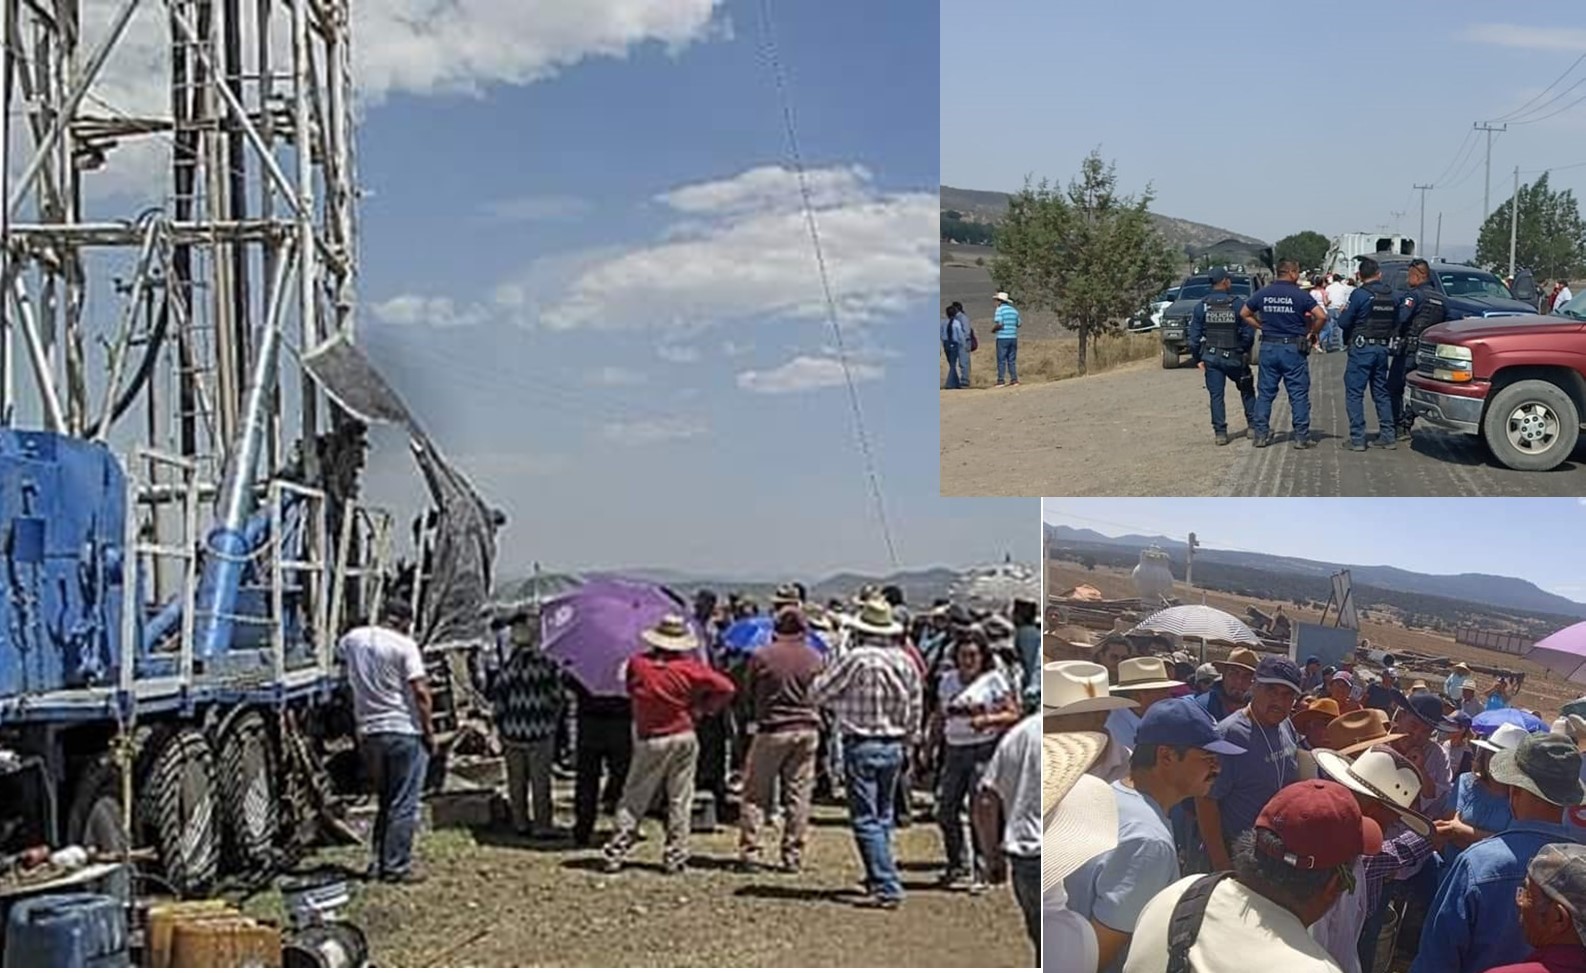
594,629
1563,652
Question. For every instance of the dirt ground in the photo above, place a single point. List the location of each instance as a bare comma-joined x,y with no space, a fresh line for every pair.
1543,691
493,899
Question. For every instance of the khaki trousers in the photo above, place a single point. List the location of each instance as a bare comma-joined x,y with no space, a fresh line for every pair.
785,761
658,761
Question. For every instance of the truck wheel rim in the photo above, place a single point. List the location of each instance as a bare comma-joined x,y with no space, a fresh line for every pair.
1533,428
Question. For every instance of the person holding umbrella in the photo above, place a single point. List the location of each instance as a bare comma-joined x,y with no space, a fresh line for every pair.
668,686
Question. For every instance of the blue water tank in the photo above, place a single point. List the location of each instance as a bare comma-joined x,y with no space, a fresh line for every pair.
79,929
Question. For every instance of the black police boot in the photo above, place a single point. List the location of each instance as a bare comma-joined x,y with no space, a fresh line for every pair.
1222,439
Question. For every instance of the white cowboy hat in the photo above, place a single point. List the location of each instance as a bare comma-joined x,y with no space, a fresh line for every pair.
1505,737
1382,774
671,634
1143,673
876,618
1078,687
1080,810
1003,297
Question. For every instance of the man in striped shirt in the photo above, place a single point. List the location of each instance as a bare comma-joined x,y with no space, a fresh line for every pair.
875,694
1007,319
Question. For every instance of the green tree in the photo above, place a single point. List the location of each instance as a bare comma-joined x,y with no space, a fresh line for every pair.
1088,254
1550,238
978,234
1307,246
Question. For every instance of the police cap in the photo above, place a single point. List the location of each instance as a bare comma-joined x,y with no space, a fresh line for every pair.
1218,275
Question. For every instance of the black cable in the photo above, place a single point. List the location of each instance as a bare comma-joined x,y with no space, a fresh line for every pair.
1527,106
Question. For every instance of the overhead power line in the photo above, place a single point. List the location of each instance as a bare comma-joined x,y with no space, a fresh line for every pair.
1528,105
1554,113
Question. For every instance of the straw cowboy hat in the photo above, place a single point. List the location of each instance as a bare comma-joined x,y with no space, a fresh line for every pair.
876,618
817,618
1078,687
785,595
1003,297
1382,774
1143,673
671,634
1080,811
1505,737
1357,731
1461,668
1321,710
1244,658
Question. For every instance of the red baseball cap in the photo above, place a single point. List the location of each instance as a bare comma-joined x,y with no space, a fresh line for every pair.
1319,824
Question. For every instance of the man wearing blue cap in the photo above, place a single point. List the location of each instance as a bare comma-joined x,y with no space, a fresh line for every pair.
1219,344
1176,756
1246,782
1289,320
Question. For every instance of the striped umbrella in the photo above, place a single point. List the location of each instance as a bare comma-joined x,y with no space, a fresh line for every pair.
1212,626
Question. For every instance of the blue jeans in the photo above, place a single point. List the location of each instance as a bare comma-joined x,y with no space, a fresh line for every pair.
1368,367
1330,335
872,775
1007,355
963,363
396,764
961,768
1283,363
1219,372
950,349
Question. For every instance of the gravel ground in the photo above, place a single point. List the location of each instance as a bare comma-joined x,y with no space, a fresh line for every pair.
492,899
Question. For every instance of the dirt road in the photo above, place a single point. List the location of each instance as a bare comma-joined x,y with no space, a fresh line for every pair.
492,899
1142,431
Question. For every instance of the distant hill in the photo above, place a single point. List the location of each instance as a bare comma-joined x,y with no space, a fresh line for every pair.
979,205
1512,595
920,586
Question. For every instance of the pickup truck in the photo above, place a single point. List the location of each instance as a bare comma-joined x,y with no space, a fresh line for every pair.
1176,317
1517,382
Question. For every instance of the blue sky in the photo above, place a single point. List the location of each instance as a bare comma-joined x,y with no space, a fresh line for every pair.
1263,124
1518,538
595,289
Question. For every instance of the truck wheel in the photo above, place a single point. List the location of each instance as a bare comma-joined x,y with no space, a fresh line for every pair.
179,810
94,819
1169,357
1531,425
248,800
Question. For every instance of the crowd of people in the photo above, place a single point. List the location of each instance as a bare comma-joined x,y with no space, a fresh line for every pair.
958,340
861,698
1256,813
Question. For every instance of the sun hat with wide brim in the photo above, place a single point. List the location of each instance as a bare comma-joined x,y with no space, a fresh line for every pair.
876,618
1505,737
1545,764
671,634
1361,730
1080,811
1323,710
1003,297
1068,688
1381,774
1145,672
1243,658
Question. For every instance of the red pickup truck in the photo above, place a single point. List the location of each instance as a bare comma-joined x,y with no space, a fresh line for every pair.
1518,382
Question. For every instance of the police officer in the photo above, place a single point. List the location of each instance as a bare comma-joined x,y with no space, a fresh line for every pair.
1370,324
1421,308
1220,343
1289,320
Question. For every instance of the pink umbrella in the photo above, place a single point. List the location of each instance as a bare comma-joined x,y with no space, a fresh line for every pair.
595,628
1563,652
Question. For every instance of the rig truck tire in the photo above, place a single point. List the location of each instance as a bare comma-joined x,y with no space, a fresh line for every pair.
180,810
248,797
1531,425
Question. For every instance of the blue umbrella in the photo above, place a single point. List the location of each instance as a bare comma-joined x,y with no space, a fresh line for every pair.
1484,723
748,634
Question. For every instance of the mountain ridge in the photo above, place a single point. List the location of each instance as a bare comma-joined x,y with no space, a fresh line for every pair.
985,206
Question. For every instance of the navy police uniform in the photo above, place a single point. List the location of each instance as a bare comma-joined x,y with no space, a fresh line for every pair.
1221,341
1285,336
1370,323
1421,308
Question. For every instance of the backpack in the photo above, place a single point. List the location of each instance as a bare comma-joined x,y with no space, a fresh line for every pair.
974,343
1185,923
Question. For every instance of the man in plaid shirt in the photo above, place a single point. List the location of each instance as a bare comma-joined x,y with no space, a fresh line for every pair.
876,695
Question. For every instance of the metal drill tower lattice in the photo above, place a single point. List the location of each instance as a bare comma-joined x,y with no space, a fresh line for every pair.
163,307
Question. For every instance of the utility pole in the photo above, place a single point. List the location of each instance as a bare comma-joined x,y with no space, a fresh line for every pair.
1420,241
1189,562
1437,248
1514,219
1486,194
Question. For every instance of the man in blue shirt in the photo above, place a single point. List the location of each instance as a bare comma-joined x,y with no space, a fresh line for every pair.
1220,344
1232,689
1370,323
952,339
1288,319
1262,729
1007,318
1543,776
1176,757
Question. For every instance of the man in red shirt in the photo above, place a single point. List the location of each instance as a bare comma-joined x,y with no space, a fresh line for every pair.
1552,905
669,688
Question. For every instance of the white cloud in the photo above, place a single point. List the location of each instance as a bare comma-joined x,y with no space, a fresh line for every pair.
645,432
750,258
615,375
804,373
536,209
678,354
437,312
1530,38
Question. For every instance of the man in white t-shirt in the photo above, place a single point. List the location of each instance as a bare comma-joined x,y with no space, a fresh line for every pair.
391,701
1337,299
1010,792
1288,871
